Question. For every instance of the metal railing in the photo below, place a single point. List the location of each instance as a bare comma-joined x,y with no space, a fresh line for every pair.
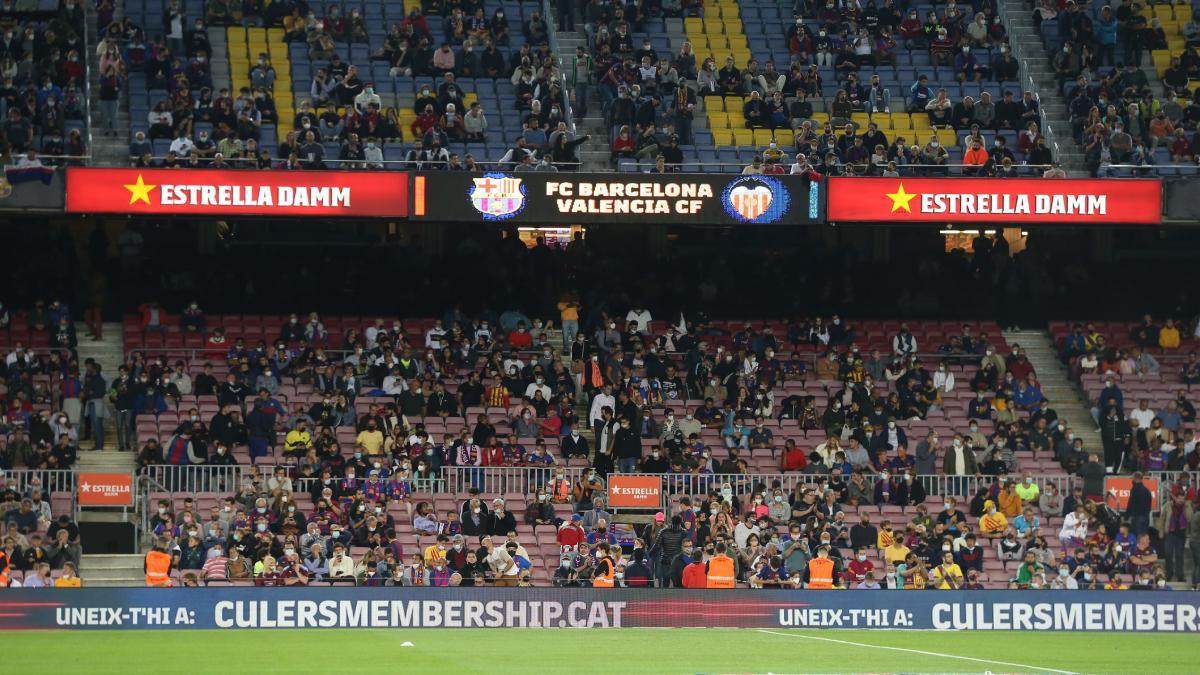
51,482
681,167
68,158
194,478
87,79
490,480
47,480
361,164
502,480
1018,52
555,48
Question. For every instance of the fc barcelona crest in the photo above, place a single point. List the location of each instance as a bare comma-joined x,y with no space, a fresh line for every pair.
498,196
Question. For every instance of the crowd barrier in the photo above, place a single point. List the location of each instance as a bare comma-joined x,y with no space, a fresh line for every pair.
291,608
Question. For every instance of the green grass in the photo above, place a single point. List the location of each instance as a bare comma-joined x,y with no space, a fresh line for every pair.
625,651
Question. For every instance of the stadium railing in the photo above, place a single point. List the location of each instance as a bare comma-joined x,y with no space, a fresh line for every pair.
633,166
552,28
498,481
57,485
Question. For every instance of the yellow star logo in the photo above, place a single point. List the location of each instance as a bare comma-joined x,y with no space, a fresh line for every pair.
900,199
139,191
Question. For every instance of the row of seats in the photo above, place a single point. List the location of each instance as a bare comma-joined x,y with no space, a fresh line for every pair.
541,544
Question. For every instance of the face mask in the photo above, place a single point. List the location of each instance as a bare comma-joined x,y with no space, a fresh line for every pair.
262,527
862,558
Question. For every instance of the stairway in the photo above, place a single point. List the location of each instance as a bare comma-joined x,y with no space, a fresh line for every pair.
106,149
110,354
1028,48
1065,397
107,570
594,154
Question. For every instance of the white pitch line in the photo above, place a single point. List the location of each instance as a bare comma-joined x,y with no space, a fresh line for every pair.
917,651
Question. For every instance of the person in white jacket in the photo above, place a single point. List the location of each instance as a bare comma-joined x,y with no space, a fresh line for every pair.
1074,528
642,316
943,379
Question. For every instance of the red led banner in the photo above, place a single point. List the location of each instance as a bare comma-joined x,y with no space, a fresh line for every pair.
188,192
995,200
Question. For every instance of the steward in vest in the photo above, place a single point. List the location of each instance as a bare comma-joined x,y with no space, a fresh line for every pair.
605,573
560,490
822,571
5,565
721,572
158,565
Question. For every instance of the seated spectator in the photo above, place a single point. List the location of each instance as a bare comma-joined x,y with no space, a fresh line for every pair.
975,159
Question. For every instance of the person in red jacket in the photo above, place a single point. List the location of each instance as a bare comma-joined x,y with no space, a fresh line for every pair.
493,453
520,338
694,575
570,536
794,458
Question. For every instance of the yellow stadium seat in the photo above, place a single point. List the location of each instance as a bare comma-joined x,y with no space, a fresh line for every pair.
741,56
722,137
901,121
1162,60
718,120
947,137
763,136
693,24
819,119
743,137
882,121
736,41
860,118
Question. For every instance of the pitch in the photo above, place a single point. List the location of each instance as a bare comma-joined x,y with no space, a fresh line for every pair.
629,650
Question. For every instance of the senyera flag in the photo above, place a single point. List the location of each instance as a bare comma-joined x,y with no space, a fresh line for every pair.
995,200
219,192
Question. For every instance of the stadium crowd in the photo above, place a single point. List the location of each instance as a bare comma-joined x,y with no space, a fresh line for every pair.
1124,126
43,79
393,405
443,86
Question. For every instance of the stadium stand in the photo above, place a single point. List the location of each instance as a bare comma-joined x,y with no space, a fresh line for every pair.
419,61
888,81
1127,124
44,80
426,438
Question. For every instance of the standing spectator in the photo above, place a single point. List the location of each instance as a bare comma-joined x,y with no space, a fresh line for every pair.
1173,523
111,84
1137,512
